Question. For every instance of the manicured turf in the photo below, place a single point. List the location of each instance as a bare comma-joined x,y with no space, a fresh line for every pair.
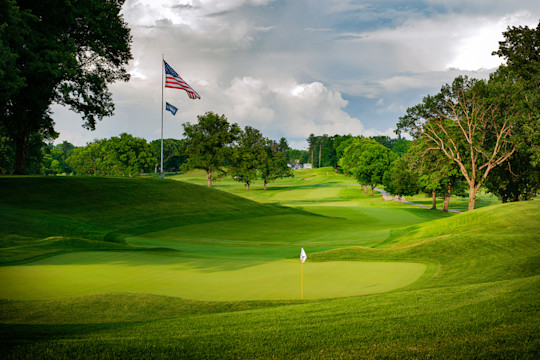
81,273
476,293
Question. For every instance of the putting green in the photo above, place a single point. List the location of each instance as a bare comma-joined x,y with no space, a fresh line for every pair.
167,273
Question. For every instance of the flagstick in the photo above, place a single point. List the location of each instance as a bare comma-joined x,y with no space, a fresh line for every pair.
302,282
161,173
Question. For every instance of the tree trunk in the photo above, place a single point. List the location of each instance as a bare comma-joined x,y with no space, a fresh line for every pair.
247,186
265,186
365,189
209,179
372,189
472,197
434,200
21,146
320,149
447,197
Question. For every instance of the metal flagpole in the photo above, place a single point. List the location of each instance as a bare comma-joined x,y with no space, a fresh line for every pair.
161,173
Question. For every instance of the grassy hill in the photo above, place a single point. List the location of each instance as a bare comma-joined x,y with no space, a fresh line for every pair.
478,297
42,215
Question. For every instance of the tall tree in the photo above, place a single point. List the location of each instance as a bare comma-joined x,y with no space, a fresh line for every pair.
248,156
518,178
437,176
401,179
372,164
66,52
283,145
472,131
274,166
209,144
351,150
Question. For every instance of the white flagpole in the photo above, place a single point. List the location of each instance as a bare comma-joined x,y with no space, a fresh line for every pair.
161,173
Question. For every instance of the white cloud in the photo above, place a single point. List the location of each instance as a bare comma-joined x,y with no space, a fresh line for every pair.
290,109
287,68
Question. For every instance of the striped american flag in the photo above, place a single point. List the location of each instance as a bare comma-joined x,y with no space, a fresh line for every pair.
173,80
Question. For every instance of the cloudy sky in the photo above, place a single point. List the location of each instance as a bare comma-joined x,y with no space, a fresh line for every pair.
294,67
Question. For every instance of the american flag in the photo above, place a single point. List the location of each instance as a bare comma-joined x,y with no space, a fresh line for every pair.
173,80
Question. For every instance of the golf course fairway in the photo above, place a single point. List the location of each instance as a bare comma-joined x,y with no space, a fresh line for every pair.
85,273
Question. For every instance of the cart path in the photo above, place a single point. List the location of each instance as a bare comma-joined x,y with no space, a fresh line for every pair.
387,196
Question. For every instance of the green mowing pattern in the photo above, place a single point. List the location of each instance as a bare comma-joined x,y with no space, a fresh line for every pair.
478,297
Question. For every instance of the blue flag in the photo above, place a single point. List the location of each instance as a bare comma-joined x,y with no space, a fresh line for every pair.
171,108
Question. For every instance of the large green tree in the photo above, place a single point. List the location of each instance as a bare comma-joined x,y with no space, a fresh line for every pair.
479,125
366,160
518,178
469,129
401,179
209,144
372,164
248,156
437,177
64,52
274,166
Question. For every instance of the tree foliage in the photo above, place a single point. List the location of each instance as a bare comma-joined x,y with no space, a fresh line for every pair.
60,51
367,160
468,127
118,156
401,179
274,166
55,159
209,144
173,156
248,156
518,178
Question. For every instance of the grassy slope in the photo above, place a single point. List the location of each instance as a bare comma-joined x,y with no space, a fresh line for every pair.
53,214
479,302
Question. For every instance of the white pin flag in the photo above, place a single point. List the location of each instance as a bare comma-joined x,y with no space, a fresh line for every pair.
303,256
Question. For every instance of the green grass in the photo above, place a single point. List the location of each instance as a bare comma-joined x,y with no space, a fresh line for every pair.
46,215
79,274
476,295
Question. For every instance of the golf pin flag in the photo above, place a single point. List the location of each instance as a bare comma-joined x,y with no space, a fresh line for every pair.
173,109
303,256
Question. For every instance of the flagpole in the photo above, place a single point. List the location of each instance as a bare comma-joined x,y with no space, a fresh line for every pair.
302,282
303,258
161,173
